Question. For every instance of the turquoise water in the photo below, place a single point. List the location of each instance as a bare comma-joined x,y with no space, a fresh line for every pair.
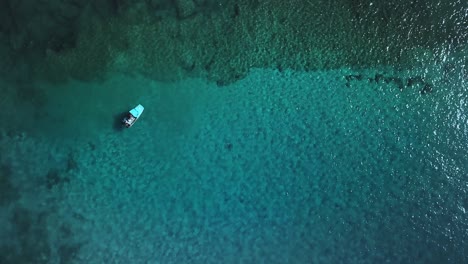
277,168
362,163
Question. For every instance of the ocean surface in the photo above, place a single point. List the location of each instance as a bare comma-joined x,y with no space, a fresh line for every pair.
341,165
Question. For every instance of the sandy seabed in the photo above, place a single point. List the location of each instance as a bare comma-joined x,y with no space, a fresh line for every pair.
280,167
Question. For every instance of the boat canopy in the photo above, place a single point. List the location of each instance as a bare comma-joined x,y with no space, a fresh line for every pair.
136,112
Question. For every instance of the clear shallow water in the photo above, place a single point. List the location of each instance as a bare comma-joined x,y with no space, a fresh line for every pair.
361,165
277,168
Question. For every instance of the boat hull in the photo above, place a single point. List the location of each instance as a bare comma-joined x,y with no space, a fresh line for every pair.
133,116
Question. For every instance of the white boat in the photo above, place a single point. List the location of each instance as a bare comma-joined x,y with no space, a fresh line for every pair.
133,116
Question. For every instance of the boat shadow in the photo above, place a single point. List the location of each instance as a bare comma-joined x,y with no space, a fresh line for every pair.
117,125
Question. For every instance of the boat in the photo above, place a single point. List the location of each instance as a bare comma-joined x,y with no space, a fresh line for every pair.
132,116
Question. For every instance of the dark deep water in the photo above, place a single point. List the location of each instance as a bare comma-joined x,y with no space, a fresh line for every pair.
274,131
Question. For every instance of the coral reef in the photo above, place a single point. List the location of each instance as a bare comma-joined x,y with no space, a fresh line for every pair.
221,40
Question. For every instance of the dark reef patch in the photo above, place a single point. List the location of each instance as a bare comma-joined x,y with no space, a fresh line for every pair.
228,146
31,242
72,164
28,235
29,93
8,192
68,252
55,178
31,239
402,83
236,11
